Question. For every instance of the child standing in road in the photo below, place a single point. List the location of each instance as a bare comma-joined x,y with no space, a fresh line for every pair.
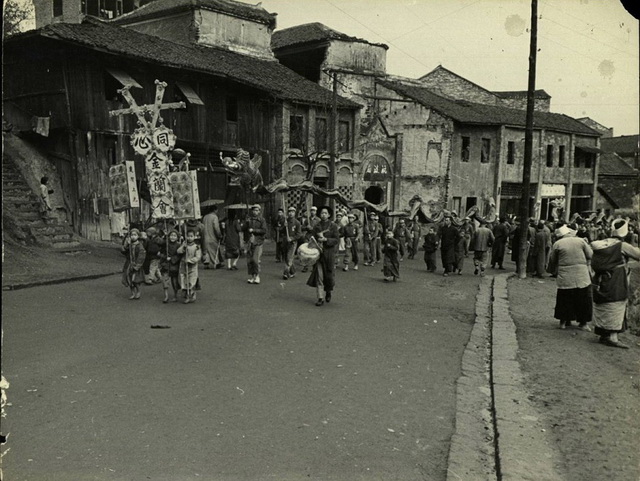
390,263
170,266
430,248
132,273
192,254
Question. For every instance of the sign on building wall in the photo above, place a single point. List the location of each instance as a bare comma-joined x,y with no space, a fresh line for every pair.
552,190
124,192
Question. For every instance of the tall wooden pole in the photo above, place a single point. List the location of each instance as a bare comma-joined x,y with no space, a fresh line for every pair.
528,146
332,138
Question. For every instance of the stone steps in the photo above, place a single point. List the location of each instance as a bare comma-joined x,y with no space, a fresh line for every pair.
24,206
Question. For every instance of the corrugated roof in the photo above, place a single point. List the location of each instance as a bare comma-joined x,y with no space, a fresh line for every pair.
310,33
268,76
624,144
166,7
612,164
516,94
482,114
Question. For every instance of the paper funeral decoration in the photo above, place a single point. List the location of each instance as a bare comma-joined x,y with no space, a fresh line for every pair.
124,192
155,141
186,200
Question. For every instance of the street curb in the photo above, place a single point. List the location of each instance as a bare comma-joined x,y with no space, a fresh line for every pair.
472,448
64,280
524,449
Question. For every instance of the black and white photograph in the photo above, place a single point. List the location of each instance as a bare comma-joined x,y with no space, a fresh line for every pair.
354,240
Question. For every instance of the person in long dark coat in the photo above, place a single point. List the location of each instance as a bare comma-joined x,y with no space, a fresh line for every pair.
501,236
326,234
540,252
430,248
391,263
448,239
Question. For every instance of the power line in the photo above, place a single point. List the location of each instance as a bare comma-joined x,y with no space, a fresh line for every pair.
425,24
589,37
583,20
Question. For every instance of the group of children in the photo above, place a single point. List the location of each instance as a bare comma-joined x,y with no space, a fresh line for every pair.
173,261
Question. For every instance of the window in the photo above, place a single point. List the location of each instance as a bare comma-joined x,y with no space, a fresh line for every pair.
296,132
471,202
511,153
344,136
114,80
549,155
231,109
466,147
186,94
111,149
457,204
485,153
588,161
321,134
57,8
231,117
584,157
561,156
107,8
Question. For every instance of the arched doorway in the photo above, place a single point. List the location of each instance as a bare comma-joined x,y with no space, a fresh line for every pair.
374,194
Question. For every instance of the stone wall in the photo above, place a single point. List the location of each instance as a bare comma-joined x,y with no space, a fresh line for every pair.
356,56
451,85
71,12
520,103
239,35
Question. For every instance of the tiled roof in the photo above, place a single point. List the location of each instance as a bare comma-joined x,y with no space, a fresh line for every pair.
516,94
482,114
612,164
618,191
624,144
268,76
310,33
159,8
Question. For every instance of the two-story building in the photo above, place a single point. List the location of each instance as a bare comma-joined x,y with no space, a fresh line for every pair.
443,137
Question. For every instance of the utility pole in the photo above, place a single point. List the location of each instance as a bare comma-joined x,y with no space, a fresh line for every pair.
528,147
333,153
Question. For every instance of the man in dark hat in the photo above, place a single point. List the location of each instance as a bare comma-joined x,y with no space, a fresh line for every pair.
448,239
501,237
481,241
254,228
326,236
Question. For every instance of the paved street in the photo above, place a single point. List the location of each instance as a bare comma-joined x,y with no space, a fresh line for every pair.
249,383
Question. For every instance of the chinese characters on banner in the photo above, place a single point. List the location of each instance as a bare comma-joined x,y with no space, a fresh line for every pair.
154,141
124,192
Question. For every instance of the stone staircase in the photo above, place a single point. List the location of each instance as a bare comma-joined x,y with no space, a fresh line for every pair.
21,208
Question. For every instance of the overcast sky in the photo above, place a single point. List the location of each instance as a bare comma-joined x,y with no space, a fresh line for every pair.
588,58
588,49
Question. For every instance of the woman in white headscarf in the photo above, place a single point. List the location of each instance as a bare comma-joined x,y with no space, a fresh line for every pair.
569,260
611,283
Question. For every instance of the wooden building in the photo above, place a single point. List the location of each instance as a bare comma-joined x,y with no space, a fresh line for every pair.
69,75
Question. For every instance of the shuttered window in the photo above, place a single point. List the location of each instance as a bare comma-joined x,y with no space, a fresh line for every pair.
189,94
124,78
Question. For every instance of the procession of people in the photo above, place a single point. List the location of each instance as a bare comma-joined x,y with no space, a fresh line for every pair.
588,258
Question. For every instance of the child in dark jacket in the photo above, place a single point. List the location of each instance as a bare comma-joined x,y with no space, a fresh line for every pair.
132,273
154,246
170,266
430,247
